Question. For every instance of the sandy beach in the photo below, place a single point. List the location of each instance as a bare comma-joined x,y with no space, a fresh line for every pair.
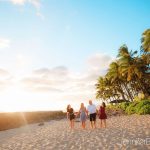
122,132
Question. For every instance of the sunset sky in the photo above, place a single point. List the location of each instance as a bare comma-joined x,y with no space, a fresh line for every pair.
52,51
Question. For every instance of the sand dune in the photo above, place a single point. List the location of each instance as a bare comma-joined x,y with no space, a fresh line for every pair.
122,132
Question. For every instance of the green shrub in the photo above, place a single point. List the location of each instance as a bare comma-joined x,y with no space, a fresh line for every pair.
144,104
136,98
136,107
131,109
112,107
124,105
140,107
144,110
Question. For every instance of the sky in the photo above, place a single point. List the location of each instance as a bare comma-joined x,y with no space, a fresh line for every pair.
53,51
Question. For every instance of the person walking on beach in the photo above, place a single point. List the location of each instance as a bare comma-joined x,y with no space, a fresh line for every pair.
102,115
92,112
70,116
83,115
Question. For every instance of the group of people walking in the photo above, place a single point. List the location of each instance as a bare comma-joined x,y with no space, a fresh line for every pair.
90,111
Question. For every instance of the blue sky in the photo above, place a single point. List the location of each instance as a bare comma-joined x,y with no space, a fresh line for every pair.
74,35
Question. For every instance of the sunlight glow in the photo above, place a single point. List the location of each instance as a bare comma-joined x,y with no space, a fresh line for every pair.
16,99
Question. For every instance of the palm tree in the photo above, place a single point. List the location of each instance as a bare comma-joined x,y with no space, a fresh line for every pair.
126,62
145,40
115,78
128,74
129,69
103,89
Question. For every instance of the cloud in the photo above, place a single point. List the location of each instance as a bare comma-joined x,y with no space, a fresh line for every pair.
58,85
22,61
4,43
46,79
66,82
5,79
57,72
3,73
35,3
99,61
18,2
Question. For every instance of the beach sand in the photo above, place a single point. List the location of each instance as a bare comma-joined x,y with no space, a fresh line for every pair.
122,132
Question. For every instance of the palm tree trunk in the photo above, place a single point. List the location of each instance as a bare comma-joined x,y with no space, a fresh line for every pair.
129,94
121,90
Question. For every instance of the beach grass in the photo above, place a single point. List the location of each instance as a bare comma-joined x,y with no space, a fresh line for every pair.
17,119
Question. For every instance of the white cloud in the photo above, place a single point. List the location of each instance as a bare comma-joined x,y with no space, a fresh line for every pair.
22,61
3,73
48,79
64,81
4,43
35,3
18,2
99,61
58,85
5,79
61,80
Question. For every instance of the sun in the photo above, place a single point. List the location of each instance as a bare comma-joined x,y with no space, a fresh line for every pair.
11,99
17,99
